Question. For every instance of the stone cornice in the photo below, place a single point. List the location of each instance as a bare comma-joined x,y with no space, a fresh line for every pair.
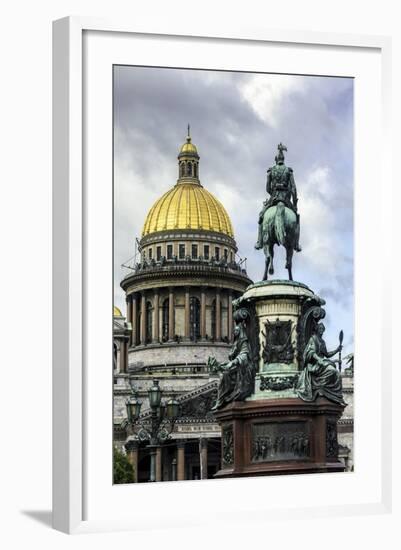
182,275
187,234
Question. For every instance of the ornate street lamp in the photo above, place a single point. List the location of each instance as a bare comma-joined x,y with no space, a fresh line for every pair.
173,408
155,395
162,421
133,408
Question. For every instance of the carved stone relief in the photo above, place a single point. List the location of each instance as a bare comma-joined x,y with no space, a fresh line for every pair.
277,347
280,441
331,438
228,446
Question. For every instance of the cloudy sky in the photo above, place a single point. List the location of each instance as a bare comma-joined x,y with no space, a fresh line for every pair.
237,120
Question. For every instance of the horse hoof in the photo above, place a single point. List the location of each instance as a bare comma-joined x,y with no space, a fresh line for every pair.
271,271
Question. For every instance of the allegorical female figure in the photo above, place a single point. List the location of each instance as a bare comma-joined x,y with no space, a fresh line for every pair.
238,374
320,376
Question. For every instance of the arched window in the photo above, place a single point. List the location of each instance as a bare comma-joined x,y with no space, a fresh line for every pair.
194,318
165,325
149,321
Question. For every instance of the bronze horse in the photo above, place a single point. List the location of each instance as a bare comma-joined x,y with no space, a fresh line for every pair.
280,226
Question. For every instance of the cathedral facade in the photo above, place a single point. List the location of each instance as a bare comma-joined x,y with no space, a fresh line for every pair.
178,313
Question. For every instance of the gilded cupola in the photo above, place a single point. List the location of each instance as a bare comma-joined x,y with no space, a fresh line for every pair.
188,205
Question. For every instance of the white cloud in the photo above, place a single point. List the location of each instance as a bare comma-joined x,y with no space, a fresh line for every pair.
318,229
265,93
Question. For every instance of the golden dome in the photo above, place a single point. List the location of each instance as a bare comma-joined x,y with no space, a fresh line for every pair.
188,206
188,148
117,312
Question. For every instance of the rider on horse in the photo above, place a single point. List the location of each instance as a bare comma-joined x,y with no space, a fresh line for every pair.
281,187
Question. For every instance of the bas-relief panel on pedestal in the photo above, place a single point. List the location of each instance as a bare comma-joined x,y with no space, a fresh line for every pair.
273,441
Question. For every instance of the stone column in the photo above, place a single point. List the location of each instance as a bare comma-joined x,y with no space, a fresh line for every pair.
174,469
133,456
123,356
156,317
230,316
158,464
186,330
129,312
143,319
203,457
203,313
134,319
218,315
171,314
180,460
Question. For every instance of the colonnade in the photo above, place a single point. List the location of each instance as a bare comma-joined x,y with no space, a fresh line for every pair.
178,465
136,313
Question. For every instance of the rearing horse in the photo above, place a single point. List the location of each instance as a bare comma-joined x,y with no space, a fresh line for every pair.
279,226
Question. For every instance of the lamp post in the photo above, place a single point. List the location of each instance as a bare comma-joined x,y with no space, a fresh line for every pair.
162,420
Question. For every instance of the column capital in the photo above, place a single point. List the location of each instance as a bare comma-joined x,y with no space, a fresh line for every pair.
181,443
203,442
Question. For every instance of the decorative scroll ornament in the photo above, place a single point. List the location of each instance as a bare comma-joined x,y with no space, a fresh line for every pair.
331,438
278,383
228,446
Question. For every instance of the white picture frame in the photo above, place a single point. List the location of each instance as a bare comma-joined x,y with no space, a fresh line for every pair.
72,257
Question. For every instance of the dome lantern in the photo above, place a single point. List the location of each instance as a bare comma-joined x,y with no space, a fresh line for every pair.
188,161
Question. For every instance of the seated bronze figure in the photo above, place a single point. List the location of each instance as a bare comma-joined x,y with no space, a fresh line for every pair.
319,376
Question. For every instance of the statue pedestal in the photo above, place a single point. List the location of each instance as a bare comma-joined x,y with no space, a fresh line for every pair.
273,431
284,311
279,436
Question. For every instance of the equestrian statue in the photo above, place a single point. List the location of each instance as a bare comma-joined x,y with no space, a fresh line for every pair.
279,218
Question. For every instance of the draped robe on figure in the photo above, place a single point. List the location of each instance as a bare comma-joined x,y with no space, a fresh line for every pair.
237,381
319,376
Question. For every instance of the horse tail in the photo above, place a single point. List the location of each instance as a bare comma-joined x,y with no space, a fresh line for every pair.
279,223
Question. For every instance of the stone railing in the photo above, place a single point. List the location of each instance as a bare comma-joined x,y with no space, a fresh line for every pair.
184,368
189,264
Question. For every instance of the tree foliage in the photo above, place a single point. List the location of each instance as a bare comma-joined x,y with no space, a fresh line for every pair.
123,471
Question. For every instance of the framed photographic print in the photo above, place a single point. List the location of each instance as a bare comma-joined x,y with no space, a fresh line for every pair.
216,203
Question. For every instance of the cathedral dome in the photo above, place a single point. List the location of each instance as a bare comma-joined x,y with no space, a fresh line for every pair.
188,205
117,312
